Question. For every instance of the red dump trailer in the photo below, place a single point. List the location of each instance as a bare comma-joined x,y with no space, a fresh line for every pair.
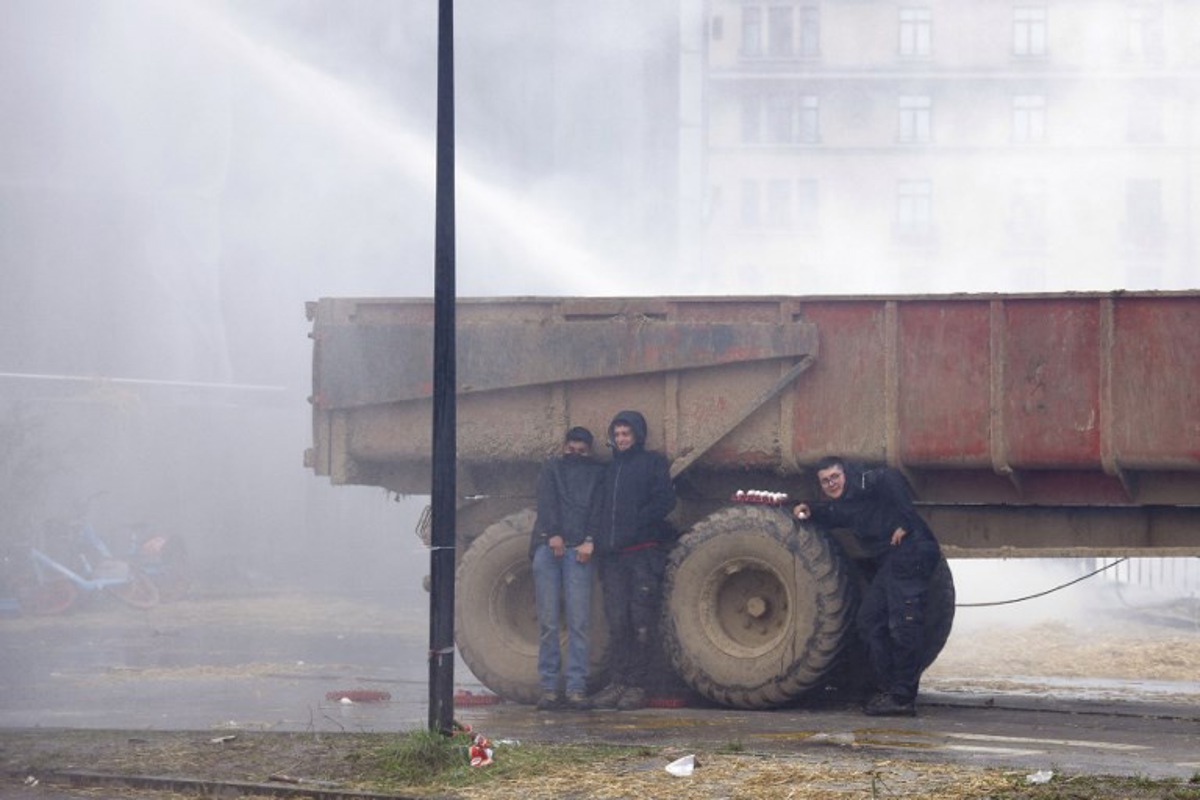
1029,425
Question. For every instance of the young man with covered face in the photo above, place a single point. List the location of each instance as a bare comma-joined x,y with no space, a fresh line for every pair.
903,553
561,549
636,498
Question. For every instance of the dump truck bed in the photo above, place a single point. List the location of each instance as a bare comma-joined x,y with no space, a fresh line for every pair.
1022,406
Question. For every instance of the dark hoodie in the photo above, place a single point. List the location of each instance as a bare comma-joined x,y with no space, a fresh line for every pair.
875,503
567,491
637,494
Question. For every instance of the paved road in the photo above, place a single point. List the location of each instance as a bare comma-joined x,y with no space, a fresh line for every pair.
183,670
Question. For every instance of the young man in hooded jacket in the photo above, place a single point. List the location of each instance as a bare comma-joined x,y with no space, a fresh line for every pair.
636,498
903,552
561,549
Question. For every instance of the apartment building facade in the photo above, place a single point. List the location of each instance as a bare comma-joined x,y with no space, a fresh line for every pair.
954,139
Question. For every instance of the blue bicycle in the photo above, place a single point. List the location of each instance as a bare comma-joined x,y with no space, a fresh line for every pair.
73,562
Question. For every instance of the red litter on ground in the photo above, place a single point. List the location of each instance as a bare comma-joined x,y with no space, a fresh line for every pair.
481,752
666,702
358,696
466,698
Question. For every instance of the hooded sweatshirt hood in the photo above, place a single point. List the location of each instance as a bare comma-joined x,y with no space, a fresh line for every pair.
855,476
637,424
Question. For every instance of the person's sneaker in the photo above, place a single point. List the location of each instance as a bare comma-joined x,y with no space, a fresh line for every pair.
632,699
608,697
876,699
578,701
549,701
886,705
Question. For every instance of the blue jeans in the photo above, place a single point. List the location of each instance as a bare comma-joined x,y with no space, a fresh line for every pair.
562,587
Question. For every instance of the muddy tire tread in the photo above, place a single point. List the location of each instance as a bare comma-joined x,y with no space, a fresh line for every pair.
497,667
814,652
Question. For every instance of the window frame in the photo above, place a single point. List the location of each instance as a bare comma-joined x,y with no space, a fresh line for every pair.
1031,31
914,119
914,209
915,33
1029,118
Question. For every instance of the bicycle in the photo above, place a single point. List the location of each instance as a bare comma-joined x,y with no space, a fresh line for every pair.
164,559
43,584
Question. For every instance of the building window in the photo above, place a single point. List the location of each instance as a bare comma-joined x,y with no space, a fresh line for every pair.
1145,30
808,205
1145,123
810,32
751,212
780,118
751,119
1029,31
780,32
1029,118
779,204
916,125
1144,221
1027,215
916,32
717,28
769,30
781,113
711,204
810,120
752,32
914,209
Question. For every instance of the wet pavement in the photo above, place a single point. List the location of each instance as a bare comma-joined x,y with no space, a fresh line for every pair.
212,665
257,664
1012,732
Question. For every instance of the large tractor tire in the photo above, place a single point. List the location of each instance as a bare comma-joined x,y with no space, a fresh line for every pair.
854,677
756,609
496,626
939,612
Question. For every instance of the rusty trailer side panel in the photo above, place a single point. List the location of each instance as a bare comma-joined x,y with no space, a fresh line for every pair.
1028,423
1060,399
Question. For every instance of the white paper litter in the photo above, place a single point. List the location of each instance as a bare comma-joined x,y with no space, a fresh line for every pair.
1041,776
682,767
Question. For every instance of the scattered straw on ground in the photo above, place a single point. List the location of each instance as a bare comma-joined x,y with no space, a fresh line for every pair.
745,777
635,773
1056,649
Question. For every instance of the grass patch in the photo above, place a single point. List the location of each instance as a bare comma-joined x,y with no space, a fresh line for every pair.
419,758
422,759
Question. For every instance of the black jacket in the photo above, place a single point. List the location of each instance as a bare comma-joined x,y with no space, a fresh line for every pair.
637,494
875,503
567,493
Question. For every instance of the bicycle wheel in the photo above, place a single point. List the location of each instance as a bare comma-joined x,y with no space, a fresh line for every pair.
54,595
138,591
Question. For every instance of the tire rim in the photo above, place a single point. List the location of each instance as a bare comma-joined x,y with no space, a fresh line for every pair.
746,608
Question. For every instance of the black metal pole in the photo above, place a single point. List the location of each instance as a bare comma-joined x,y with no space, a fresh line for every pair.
445,450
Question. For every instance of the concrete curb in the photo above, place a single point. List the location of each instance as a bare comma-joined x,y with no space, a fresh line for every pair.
210,788
1110,708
